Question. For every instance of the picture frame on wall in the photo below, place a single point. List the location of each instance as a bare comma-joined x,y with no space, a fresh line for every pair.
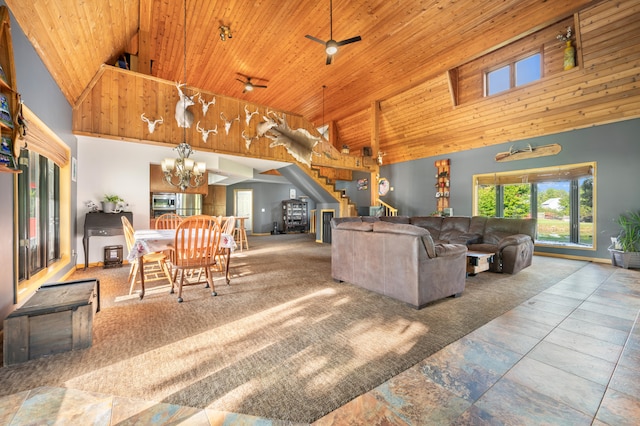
363,184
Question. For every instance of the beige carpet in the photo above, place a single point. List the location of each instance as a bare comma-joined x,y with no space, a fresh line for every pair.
283,341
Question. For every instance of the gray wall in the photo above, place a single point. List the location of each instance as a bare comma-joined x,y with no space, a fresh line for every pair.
41,94
362,198
614,147
267,196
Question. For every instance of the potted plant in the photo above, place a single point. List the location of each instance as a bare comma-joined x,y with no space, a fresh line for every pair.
625,250
110,203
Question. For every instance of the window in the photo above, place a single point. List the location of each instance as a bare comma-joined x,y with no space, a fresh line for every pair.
561,198
38,214
515,74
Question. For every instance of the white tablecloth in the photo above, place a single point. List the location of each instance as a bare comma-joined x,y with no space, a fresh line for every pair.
155,240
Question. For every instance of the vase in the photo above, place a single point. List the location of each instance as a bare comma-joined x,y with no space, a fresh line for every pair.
108,207
569,56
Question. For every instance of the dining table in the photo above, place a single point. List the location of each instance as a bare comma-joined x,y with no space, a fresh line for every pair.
158,240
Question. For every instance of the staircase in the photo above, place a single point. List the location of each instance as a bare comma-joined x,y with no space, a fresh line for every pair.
318,187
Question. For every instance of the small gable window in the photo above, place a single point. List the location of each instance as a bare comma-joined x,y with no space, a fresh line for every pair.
514,74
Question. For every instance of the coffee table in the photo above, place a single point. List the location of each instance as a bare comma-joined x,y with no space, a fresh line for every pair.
478,261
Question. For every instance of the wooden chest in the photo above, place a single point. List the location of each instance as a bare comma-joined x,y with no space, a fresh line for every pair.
58,317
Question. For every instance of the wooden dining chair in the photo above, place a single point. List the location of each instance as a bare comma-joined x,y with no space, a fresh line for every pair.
196,244
168,221
155,264
228,226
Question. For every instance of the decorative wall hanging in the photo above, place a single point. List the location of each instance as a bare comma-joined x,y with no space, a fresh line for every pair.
528,152
443,176
383,186
362,184
299,143
569,51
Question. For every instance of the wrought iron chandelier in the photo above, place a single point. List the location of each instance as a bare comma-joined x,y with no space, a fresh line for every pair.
183,172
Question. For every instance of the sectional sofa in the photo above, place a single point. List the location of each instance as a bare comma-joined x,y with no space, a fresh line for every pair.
418,260
510,239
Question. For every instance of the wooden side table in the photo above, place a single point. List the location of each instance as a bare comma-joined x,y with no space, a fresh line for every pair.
478,261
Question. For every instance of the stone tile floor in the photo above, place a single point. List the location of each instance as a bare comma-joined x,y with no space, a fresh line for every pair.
570,355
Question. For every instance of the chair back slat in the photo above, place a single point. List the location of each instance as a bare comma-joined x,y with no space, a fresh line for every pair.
128,232
168,221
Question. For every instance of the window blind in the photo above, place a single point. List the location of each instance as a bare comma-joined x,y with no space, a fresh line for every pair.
42,140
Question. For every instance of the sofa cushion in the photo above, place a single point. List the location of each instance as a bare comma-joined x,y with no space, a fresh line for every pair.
408,229
430,223
477,224
395,219
356,226
498,228
338,220
369,218
450,249
453,227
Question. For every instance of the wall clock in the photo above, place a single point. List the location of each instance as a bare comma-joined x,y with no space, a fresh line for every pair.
383,186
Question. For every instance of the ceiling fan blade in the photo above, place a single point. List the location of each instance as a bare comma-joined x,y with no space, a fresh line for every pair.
349,40
329,59
317,40
260,86
241,81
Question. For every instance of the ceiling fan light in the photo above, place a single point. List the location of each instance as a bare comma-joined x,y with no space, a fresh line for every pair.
248,87
332,47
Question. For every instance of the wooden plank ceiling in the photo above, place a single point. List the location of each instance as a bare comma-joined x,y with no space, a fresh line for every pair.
404,43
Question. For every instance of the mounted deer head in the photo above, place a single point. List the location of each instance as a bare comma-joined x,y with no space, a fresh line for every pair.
206,105
228,123
151,125
184,117
248,114
205,133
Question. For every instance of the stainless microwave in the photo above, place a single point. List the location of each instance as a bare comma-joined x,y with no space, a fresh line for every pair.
161,201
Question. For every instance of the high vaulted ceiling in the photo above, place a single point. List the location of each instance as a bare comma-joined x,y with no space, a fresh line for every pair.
404,43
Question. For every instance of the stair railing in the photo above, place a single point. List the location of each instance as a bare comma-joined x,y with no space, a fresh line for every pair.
389,210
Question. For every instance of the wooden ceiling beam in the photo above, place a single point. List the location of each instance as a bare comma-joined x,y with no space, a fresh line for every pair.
144,37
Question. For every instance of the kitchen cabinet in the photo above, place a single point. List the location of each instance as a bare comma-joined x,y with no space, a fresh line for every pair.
157,183
295,216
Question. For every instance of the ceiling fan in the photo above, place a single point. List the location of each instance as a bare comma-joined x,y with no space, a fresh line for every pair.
331,46
248,85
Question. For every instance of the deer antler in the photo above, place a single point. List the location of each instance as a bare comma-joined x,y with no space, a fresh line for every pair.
205,133
248,114
247,139
151,125
205,104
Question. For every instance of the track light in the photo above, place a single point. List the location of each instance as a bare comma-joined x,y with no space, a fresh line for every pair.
225,32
